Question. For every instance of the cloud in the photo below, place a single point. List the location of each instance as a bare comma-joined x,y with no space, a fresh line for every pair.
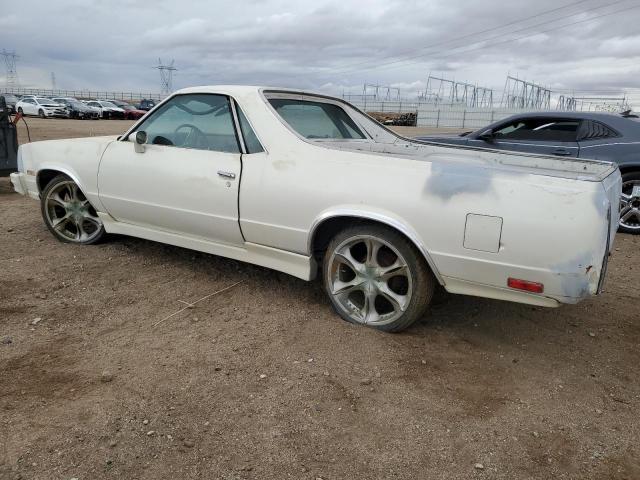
330,45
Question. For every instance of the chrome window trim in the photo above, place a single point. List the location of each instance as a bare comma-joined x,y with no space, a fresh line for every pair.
236,124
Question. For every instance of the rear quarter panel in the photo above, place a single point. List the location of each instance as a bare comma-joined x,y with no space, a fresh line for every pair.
626,153
554,229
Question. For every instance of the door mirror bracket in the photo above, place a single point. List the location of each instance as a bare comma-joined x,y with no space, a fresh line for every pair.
487,135
140,140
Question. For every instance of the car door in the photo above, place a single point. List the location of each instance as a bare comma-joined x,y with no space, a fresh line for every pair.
186,180
545,135
29,106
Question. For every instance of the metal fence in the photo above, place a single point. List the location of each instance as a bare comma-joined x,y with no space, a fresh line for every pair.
453,116
81,93
396,106
450,115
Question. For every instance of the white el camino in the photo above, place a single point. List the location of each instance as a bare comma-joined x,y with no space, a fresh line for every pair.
308,184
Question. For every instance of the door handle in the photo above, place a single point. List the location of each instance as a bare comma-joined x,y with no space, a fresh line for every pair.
562,152
224,174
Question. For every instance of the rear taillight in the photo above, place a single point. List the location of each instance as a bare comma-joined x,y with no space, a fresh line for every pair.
525,285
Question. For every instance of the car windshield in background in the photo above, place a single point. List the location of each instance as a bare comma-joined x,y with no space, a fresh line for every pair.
316,120
108,104
42,101
127,107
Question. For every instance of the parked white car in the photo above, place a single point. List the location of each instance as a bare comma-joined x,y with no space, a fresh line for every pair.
41,106
305,183
107,109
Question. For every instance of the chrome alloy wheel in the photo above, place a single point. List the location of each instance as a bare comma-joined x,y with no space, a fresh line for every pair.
369,280
630,205
70,214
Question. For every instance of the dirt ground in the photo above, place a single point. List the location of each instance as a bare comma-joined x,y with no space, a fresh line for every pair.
264,381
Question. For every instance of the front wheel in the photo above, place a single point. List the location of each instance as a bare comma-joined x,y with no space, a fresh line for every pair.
20,111
41,113
68,214
630,203
374,276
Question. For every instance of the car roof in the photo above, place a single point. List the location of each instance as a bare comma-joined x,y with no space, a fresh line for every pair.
241,89
577,115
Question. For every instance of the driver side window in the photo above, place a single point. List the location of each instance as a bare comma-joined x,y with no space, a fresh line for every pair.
197,121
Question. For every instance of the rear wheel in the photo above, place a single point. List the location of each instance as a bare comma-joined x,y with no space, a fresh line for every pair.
374,276
630,203
68,214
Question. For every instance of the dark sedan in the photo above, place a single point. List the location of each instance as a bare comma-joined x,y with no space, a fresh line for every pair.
10,99
600,136
77,109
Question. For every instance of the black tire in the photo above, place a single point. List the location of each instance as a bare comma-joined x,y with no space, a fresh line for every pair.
20,111
421,282
631,225
45,208
41,113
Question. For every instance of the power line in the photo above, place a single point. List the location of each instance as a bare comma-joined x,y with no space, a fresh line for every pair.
444,42
485,45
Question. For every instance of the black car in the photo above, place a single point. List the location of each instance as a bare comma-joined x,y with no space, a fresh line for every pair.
10,100
76,108
146,104
600,136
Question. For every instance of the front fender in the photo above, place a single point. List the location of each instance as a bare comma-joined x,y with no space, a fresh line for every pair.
77,158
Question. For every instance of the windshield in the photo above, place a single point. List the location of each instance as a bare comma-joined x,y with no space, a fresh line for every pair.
44,100
108,104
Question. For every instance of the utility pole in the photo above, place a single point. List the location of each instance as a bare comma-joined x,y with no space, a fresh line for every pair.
53,80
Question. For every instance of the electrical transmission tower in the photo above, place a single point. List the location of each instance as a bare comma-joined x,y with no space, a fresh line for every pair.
381,92
166,77
444,90
10,62
566,102
520,94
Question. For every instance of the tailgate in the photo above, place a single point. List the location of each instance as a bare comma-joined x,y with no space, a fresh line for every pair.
613,188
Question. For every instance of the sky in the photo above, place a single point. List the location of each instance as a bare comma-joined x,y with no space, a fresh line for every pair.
330,46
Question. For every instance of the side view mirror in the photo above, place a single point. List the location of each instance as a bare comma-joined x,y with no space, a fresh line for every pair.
140,140
487,135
